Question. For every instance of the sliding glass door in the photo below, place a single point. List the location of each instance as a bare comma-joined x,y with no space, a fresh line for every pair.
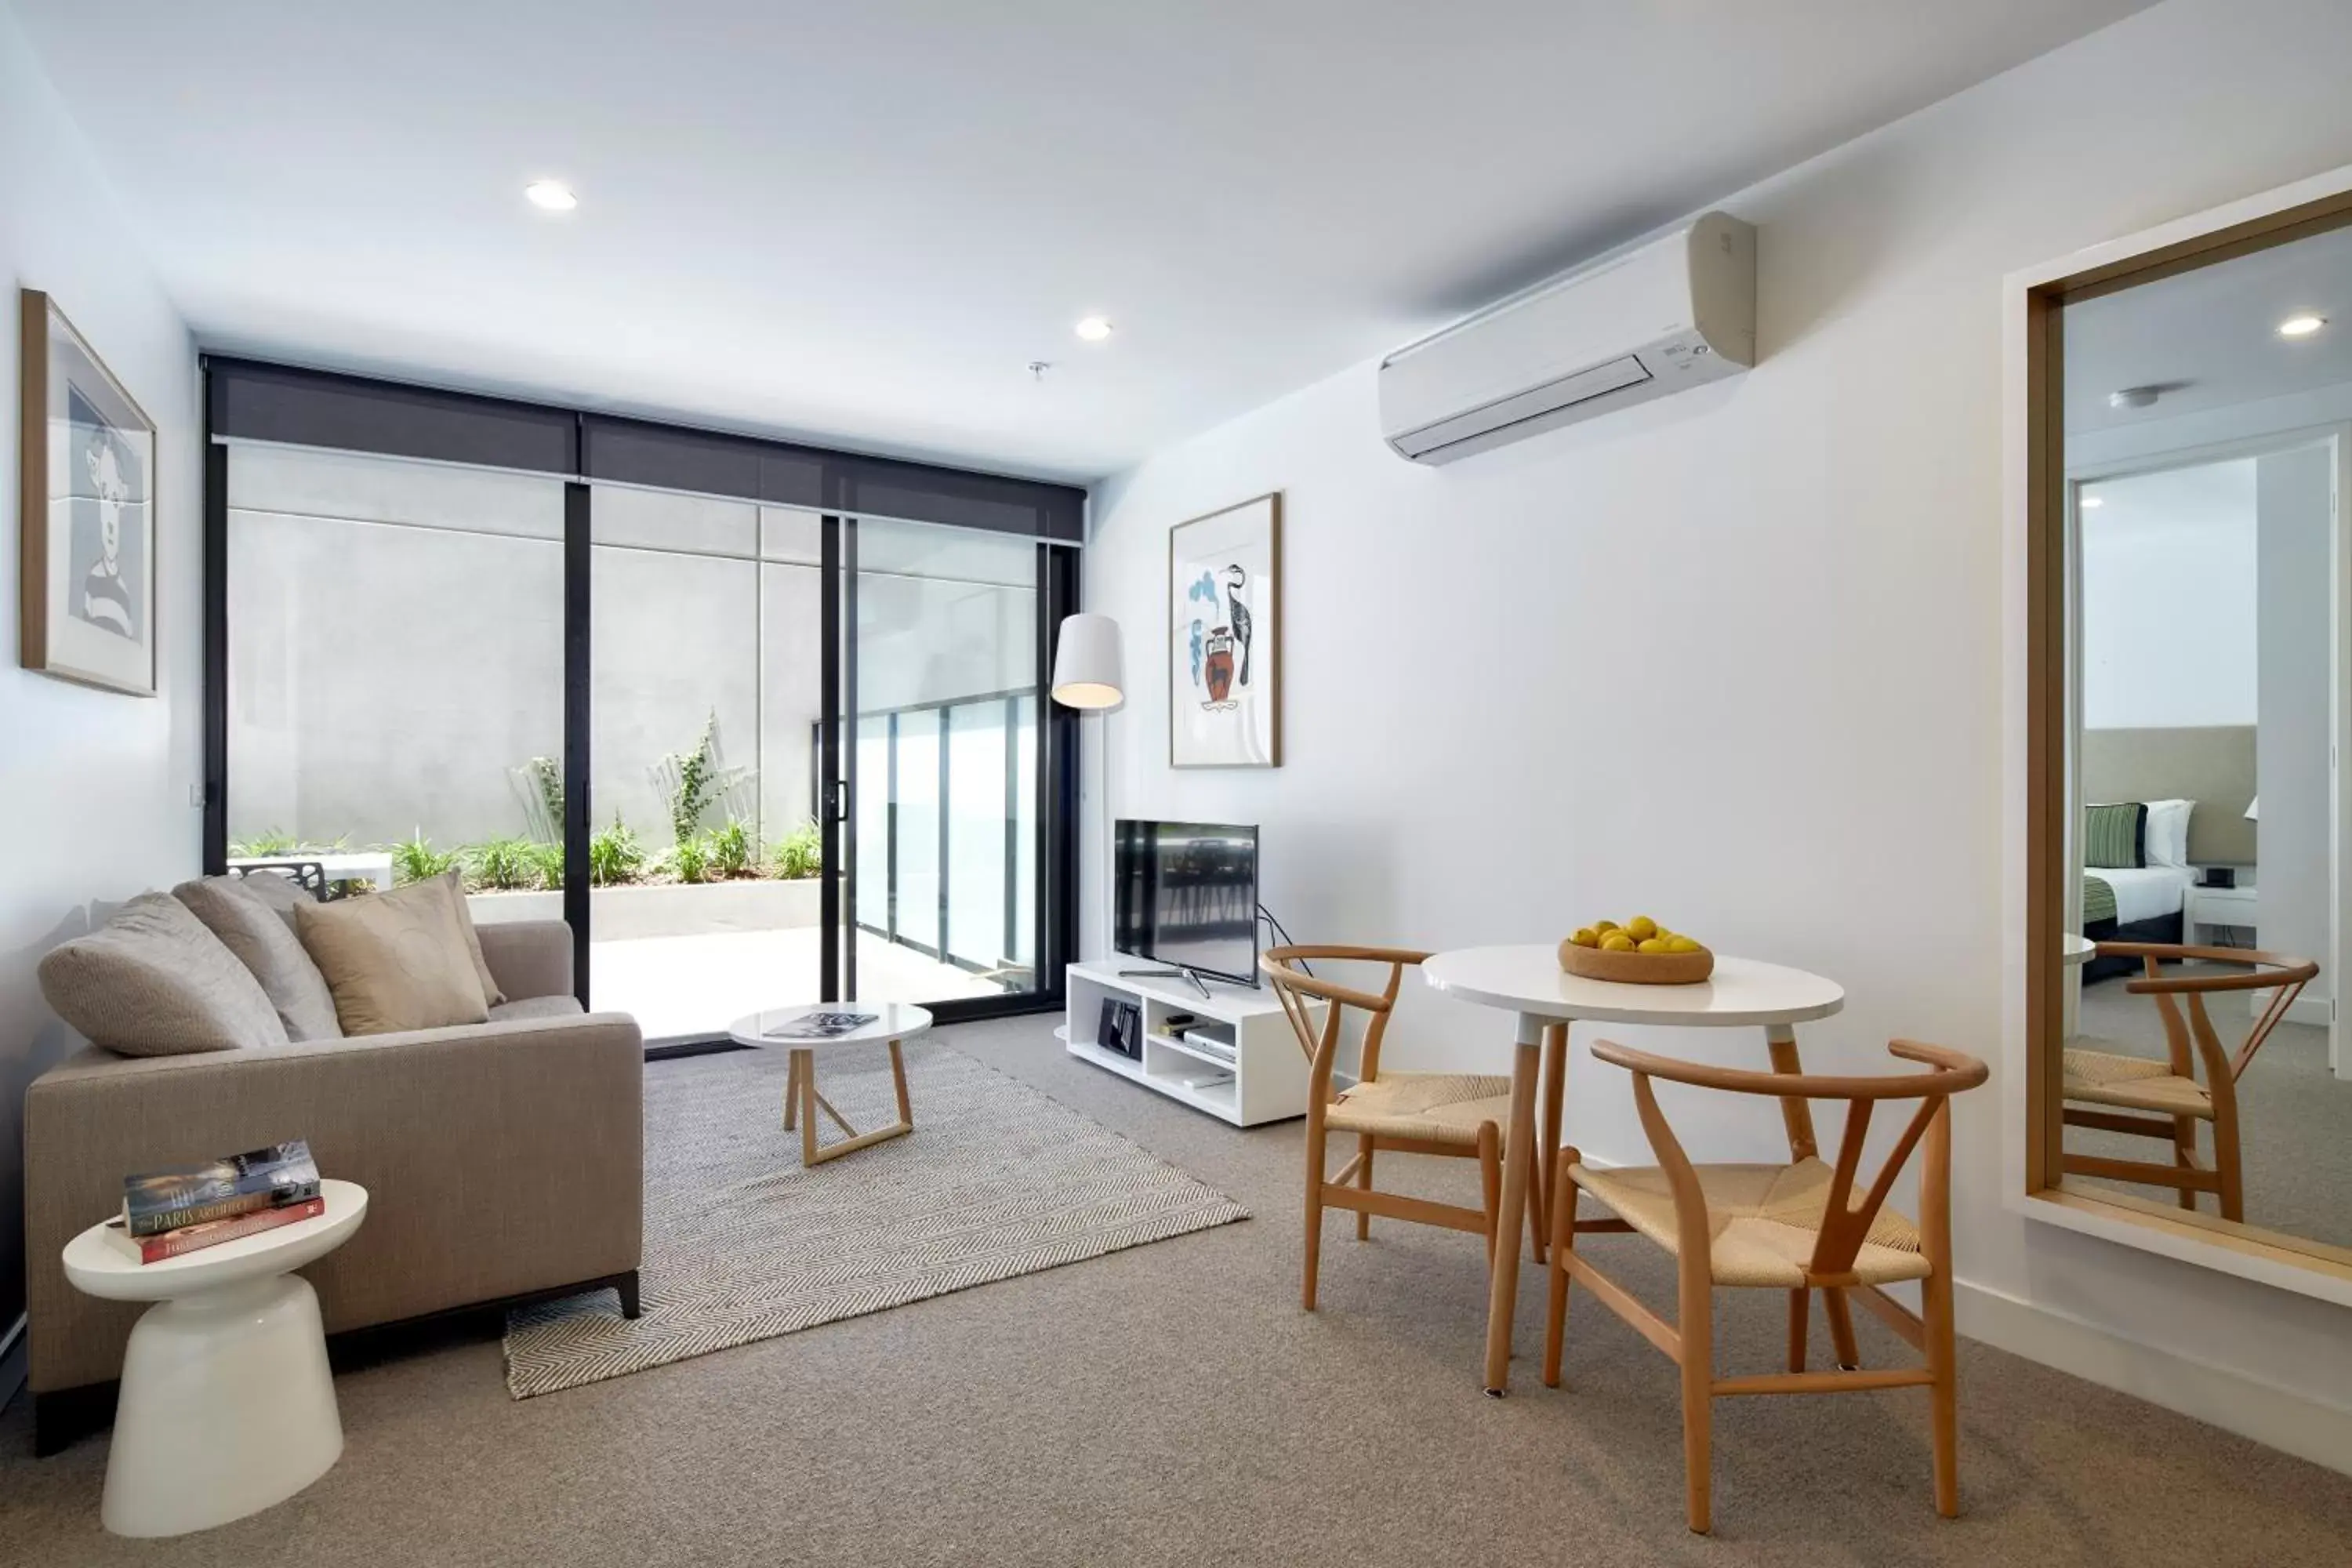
721,705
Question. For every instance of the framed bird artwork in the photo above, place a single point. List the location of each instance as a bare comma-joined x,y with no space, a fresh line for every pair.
1224,637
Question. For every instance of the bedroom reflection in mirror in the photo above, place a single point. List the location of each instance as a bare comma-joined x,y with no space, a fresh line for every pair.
2209,668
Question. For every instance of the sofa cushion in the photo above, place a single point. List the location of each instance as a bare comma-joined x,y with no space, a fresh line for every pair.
264,941
282,893
153,981
395,960
536,1008
454,885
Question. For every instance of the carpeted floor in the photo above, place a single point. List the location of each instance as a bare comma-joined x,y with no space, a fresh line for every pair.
1171,1405
2296,1115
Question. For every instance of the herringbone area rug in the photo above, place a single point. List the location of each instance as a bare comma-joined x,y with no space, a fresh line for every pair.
742,1244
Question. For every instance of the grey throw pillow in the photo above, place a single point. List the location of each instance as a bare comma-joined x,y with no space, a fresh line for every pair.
282,893
153,981
235,911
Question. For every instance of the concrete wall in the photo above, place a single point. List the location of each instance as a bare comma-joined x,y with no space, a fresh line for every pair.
95,786
1730,656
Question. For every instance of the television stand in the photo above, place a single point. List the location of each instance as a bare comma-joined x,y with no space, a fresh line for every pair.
1242,1064
1175,971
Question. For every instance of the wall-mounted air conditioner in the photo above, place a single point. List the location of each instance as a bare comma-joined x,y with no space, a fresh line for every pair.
1669,313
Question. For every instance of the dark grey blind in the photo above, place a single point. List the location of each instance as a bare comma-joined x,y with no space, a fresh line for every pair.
249,400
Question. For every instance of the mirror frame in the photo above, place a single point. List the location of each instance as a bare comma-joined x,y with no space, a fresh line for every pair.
2036,706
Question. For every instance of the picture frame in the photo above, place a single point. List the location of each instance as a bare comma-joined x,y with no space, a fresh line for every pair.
86,511
1224,637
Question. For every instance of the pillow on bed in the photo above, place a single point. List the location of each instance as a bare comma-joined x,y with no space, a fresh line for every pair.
2167,832
2116,836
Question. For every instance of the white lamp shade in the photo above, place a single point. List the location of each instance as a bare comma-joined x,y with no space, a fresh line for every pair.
1088,671
2251,813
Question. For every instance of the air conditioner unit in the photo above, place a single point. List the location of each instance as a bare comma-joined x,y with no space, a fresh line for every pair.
1673,311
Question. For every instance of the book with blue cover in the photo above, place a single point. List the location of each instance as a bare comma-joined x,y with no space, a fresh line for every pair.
220,1189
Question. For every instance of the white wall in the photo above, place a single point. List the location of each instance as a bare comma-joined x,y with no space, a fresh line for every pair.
2296,500
94,785
1735,658
2169,596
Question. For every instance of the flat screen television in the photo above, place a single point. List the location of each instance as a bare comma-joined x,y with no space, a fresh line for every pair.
1186,895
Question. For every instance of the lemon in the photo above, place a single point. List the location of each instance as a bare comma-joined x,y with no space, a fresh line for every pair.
1602,928
1586,937
1681,945
1652,945
1616,941
1642,928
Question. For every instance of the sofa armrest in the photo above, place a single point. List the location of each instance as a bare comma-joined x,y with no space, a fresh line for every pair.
528,958
498,1159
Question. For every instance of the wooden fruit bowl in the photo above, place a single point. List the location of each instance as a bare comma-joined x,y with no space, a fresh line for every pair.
1637,968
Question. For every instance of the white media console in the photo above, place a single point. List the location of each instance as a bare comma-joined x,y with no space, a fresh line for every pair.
1264,1079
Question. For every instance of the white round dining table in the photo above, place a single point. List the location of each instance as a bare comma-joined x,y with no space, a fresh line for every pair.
1526,980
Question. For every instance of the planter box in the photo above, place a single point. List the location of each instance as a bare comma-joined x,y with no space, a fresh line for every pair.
681,908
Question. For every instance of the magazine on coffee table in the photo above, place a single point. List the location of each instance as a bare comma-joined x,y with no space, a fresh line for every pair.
819,1027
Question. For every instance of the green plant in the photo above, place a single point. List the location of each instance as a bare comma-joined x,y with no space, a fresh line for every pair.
800,854
732,850
546,862
689,861
615,855
693,782
261,845
501,864
418,861
539,782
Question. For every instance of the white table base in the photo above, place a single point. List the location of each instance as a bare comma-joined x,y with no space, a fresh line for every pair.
227,1407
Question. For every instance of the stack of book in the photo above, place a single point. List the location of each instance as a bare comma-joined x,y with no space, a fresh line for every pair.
168,1212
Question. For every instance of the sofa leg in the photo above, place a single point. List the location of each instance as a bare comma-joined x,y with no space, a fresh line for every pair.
627,1286
65,1417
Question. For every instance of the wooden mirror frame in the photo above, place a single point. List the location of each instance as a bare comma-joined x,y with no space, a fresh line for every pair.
2036,706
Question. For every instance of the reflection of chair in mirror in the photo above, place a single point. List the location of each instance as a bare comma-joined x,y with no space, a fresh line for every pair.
2169,1091
1453,1114
1799,1227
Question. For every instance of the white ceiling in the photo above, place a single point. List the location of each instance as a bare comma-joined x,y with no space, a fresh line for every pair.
2209,338
860,222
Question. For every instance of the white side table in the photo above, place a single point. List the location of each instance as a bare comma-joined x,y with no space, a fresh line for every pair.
893,1022
227,1403
2212,907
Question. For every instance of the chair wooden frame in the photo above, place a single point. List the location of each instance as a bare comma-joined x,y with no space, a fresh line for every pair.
1831,1268
1352,1188
2190,1044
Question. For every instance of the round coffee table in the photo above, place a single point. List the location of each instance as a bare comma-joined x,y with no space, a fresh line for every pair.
893,1022
227,1403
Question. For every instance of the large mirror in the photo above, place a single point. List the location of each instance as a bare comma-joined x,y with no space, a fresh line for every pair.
2198,677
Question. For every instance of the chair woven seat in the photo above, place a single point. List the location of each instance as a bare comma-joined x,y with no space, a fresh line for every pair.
1763,1221
2137,1083
1435,1107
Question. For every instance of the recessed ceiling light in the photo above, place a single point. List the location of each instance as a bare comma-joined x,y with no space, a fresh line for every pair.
553,195
2300,326
1093,329
2090,501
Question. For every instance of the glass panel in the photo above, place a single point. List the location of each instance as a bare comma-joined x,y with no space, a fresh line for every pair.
914,831
976,836
395,673
704,688
946,659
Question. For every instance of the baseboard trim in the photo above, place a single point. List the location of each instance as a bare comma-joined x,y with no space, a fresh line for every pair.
2275,1416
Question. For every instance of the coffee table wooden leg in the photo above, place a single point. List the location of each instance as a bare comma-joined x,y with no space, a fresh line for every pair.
804,1069
1503,1290
812,1102
792,1089
1796,1114
899,1082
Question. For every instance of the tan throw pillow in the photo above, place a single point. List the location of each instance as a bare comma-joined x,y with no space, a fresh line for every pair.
265,944
395,960
456,886
153,981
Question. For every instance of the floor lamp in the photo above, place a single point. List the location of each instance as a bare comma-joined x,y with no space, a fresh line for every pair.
1089,676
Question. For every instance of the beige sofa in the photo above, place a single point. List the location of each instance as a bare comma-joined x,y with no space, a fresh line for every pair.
502,1159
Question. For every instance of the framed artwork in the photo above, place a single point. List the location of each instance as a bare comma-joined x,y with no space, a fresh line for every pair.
1224,637
86,511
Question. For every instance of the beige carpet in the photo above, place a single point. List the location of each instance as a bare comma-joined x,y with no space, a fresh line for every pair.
1171,1407
743,1243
